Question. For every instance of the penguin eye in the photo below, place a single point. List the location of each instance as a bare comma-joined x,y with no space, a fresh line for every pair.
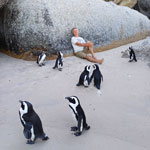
22,106
73,101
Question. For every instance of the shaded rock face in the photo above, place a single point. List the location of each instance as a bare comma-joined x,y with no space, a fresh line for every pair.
47,24
2,38
144,7
3,2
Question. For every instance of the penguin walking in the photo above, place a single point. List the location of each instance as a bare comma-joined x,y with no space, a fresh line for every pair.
79,115
31,122
84,77
41,59
59,61
98,77
132,55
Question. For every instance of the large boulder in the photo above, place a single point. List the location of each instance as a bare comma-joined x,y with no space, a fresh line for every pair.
129,3
3,3
46,24
144,7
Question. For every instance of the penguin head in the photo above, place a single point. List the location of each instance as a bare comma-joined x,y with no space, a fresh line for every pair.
87,68
43,53
73,100
26,107
95,67
130,48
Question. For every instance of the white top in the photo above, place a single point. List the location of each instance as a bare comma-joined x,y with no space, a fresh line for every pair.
77,48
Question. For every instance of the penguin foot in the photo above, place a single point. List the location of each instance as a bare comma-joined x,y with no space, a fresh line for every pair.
87,128
86,86
60,69
77,133
30,142
45,138
78,84
74,128
54,67
131,60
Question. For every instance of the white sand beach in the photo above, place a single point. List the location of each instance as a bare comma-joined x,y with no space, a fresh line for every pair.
119,118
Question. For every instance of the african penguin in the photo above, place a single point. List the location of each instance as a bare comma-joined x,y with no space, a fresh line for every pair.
59,61
79,115
132,55
98,77
41,59
84,77
31,122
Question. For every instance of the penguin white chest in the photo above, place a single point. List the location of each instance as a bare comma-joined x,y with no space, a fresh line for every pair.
42,59
74,112
85,81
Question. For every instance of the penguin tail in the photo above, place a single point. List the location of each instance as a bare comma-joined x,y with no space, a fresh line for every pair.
97,86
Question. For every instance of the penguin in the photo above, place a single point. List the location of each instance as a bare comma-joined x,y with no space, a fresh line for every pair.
132,55
31,122
59,61
79,115
41,59
98,77
84,77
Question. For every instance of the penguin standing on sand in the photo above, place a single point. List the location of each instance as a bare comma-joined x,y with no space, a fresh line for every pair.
31,122
98,77
79,115
41,59
59,61
84,77
132,55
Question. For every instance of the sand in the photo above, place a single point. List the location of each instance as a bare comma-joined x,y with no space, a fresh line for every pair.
119,118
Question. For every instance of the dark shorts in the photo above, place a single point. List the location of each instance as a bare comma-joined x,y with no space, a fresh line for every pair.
83,53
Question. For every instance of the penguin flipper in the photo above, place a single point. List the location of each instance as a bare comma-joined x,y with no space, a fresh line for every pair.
56,64
27,130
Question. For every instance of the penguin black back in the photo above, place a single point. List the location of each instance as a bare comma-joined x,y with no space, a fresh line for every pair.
59,61
31,122
98,77
84,77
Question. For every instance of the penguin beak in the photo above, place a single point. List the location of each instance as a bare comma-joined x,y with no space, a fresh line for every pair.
20,101
67,98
